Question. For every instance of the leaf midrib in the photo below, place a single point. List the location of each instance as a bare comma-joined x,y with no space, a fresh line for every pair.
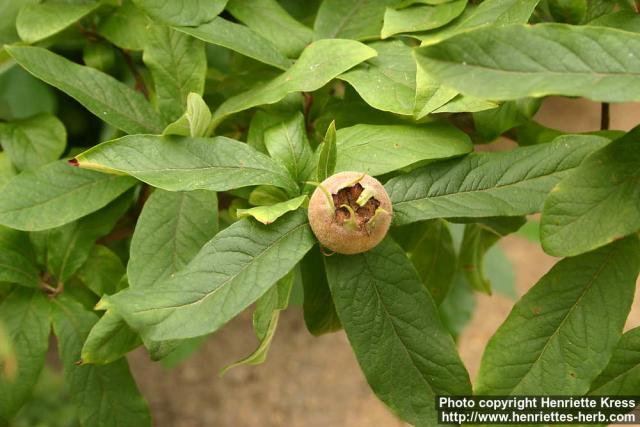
25,275
92,183
174,241
587,288
356,7
612,379
398,336
283,180
59,83
564,74
231,279
427,198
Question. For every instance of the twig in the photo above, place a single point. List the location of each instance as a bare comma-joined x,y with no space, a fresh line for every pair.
125,226
140,86
93,36
145,193
118,234
46,285
308,103
604,116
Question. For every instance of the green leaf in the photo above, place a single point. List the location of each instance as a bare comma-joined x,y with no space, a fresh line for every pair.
379,149
24,315
492,123
500,273
597,203
265,321
231,271
7,170
17,258
466,104
266,195
56,194
269,214
358,19
171,229
387,81
488,62
622,20
287,142
320,62
161,349
319,311
352,111
393,326
271,21
480,185
598,8
125,27
497,12
33,142
568,11
260,122
532,133
420,18
565,327
195,120
109,340
327,154
107,98
182,12
68,247
8,13
429,246
406,3
102,271
6,62
7,357
276,299
458,307
530,231
183,351
99,55
430,94
185,164
103,395
39,21
178,65
477,240
22,95
240,39
622,375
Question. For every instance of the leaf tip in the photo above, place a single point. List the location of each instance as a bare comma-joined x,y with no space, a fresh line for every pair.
102,305
74,162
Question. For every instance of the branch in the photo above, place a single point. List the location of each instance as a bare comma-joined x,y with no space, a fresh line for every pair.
308,103
93,36
604,116
140,86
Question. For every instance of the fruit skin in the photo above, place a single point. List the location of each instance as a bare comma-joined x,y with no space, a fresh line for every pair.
339,237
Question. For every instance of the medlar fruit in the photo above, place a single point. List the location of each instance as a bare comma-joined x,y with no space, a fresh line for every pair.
350,212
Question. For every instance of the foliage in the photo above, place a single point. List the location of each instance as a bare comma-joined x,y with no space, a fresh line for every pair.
158,157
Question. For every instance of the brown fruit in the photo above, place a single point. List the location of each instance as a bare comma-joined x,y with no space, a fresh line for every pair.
350,212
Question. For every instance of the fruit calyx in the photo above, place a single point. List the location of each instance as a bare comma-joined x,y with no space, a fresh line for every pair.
348,208
350,212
